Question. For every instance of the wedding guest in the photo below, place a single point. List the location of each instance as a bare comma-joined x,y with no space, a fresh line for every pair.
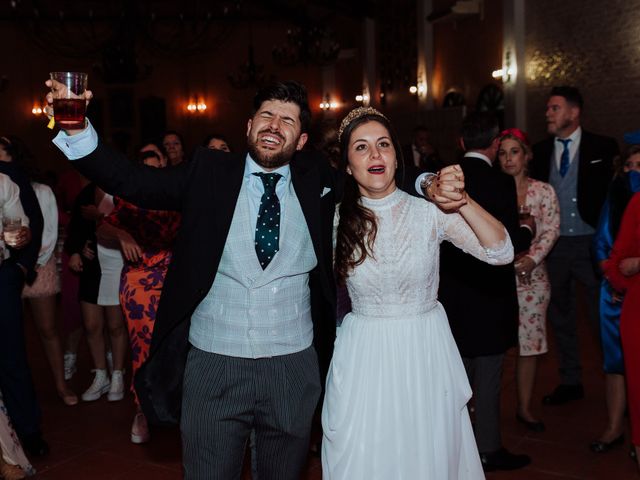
41,295
623,272
623,186
146,239
173,144
18,269
485,323
578,164
13,462
99,309
216,141
538,200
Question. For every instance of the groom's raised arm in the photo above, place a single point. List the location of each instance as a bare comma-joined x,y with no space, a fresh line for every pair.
147,187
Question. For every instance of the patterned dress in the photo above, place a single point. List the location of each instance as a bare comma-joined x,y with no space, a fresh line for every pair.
141,282
533,298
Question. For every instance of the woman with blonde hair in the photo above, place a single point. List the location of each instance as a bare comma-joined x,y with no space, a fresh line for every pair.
536,199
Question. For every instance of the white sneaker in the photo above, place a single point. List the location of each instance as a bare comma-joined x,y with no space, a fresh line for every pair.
99,386
69,365
116,392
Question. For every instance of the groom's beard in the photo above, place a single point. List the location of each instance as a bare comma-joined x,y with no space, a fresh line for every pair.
271,160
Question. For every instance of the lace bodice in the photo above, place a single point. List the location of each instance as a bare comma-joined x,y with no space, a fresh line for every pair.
402,278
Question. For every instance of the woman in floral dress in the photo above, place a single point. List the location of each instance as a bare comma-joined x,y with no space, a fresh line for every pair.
534,290
146,238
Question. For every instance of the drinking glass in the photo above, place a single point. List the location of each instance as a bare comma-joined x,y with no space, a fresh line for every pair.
524,212
69,111
10,230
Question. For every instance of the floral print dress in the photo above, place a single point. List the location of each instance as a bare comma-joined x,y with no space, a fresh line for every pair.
533,298
141,282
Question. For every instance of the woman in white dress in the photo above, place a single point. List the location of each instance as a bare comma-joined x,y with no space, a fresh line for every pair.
396,393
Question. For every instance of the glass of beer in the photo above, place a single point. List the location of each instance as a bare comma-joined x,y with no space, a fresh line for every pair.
69,110
10,229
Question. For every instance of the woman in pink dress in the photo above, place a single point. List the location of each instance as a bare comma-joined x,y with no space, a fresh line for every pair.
534,291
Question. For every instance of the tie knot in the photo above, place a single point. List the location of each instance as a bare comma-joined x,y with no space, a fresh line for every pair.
269,180
564,141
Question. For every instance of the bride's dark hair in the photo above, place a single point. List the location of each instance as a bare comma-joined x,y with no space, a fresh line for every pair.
358,227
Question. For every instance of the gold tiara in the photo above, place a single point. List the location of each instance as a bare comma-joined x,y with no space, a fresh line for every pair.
357,113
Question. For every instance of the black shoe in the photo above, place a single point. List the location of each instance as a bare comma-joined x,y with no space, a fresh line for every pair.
602,447
35,445
535,426
503,460
563,394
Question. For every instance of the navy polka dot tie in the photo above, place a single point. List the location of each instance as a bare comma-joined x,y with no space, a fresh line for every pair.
268,224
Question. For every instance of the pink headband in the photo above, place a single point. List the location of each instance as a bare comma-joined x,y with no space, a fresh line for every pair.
515,132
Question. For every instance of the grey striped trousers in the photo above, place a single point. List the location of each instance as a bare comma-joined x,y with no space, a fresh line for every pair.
225,397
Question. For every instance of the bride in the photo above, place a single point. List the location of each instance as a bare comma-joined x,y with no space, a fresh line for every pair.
396,393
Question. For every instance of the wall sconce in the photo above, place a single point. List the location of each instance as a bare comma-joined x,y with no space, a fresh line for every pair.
420,89
37,109
362,98
196,106
328,104
508,72
506,77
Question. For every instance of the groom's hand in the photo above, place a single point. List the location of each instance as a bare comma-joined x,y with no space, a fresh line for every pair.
447,188
59,90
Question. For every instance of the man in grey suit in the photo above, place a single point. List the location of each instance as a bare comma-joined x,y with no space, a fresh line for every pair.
579,166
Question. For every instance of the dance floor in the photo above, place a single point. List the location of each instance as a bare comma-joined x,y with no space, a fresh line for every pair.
91,441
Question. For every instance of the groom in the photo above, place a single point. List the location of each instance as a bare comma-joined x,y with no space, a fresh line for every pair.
249,297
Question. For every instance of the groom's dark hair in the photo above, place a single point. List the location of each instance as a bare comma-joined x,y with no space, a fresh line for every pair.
289,91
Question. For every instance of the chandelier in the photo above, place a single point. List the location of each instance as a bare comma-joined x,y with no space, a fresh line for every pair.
312,45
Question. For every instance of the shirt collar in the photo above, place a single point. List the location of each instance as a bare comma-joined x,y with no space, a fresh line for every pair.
575,136
478,155
252,167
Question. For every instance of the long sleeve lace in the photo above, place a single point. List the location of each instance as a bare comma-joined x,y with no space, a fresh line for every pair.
452,227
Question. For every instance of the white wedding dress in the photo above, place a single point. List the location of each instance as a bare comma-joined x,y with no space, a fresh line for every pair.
396,393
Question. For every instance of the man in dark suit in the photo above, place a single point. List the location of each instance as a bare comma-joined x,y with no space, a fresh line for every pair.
578,164
240,321
480,299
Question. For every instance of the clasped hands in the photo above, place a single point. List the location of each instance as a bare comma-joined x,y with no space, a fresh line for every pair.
447,189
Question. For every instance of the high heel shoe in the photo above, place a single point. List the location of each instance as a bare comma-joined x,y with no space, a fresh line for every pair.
533,425
601,447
